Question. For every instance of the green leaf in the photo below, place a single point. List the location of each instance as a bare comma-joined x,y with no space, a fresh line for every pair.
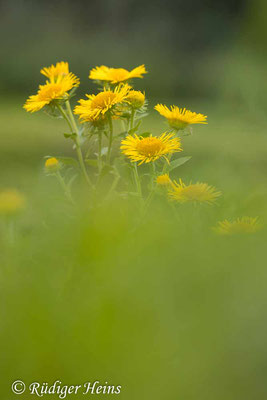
135,128
72,179
51,110
72,92
104,152
145,134
68,161
124,133
140,116
70,135
92,162
176,163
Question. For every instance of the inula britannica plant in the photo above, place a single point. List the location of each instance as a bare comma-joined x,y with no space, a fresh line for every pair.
107,135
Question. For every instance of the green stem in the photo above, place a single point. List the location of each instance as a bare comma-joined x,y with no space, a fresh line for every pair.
64,115
110,138
74,129
137,181
148,200
152,184
123,126
132,118
99,153
166,164
153,174
82,165
113,187
73,122
64,187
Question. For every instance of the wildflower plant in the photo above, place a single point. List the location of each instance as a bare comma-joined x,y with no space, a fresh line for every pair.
243,225
106,130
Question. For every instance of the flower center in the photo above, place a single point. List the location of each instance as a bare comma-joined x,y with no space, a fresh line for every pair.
149,146
103,99
118,74
194,192
51,91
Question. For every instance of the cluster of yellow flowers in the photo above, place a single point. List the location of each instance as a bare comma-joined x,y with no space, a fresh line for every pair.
60,82
98,114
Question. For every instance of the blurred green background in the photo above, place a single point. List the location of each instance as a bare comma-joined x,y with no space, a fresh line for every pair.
191,48
162,307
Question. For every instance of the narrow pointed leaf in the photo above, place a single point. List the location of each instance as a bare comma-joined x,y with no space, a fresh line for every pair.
176,163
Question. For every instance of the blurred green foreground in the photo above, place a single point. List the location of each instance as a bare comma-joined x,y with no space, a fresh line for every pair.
161,306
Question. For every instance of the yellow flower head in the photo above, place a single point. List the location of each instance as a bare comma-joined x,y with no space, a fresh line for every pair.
179,118
164,180
239,226
95,108
136,98
61,69
56,90
52,164
11,202
116,75
151,148
193,193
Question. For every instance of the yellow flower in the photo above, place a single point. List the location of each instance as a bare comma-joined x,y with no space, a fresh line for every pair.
240,225
56,90
54,71
136,98
116,75
148,149
194,193
179,118
95,108
61,69
52,164
60,82
11,202
164,180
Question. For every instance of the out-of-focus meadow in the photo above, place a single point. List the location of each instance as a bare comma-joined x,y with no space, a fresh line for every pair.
162,306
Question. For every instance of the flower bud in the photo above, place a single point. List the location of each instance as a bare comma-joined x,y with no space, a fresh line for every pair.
163,180
52,165
136,98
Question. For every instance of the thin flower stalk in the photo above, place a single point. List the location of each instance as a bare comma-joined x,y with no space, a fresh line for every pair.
68,116
110,123
65,187
99,155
